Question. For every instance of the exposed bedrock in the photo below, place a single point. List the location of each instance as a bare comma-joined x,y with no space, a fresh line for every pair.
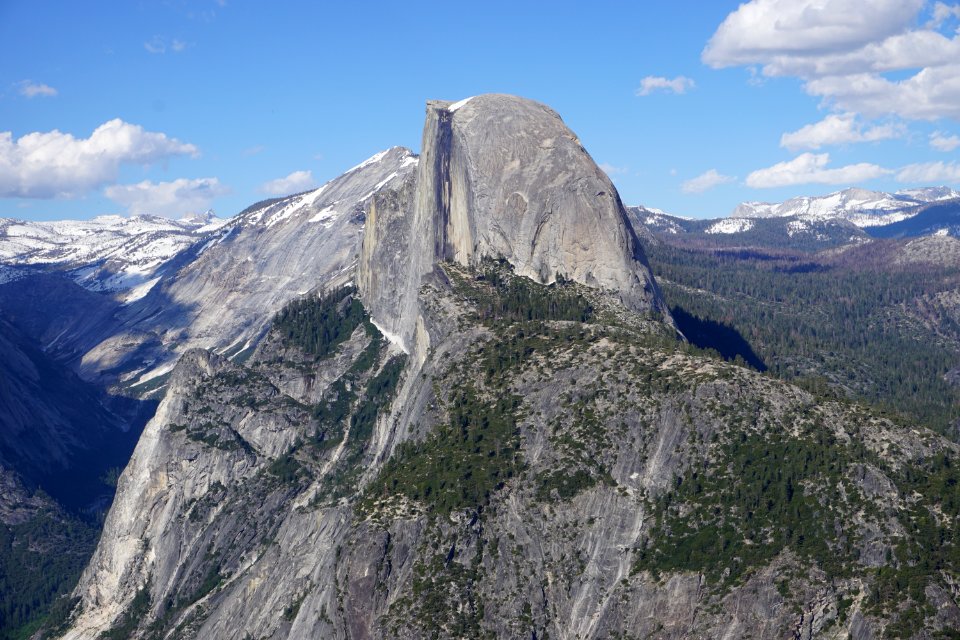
499,177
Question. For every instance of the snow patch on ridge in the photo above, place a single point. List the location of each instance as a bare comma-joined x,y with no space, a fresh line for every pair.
459,103
731,225
377,157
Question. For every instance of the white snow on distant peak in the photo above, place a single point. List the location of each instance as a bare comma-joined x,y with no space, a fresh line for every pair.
861,207
377,157
930,194
409,160
316,193
942,232
459,103
731,225
291,207
661,212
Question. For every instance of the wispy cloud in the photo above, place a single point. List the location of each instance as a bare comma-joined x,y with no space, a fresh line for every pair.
254,150
612,170
155,45
811,168
169,199
943,142
705,181
680,84
930,173
836,129
159,45
53,164
293,183
32,89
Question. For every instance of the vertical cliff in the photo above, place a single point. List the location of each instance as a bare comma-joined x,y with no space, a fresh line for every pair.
545,461
500,177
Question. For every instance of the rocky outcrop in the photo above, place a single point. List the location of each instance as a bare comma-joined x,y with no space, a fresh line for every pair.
243,513
500,177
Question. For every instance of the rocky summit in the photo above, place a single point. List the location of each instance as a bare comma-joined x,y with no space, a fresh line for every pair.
480,421
499,177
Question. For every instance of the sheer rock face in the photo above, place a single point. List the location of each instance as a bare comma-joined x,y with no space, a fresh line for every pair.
500,177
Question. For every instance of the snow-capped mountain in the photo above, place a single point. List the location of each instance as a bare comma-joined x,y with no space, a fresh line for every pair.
657,220
107,253
859,206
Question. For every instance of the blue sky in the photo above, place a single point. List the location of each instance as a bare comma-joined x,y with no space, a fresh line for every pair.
692,107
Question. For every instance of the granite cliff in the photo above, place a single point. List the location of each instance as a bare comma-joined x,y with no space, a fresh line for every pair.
491,435
500,177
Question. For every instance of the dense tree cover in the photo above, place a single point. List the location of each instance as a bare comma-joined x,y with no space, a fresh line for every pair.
319,324
40,561
498,295
464,461
751,505
476,450
828,324
764,493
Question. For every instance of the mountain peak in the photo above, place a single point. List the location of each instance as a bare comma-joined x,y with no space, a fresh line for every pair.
199,219
501,177
862,207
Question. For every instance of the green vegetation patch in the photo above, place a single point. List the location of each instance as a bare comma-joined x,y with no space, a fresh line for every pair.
498,295
870,334
464,461
318,325
765,494
40,561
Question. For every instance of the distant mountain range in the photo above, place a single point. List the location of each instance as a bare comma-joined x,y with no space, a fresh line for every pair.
804,223
861,207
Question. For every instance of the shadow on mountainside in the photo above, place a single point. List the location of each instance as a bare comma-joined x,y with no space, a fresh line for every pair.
709,334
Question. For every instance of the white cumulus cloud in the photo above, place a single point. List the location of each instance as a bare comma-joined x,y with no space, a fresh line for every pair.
170,199
843,50
943,142
54,164
930,173
293,183
680,84
811,168
768,31
32,89
705,181
838,129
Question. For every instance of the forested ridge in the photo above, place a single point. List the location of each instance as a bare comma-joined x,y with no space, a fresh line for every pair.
854,324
